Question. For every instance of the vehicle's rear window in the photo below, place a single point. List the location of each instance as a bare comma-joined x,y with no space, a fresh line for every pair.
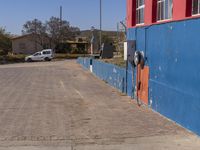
46,52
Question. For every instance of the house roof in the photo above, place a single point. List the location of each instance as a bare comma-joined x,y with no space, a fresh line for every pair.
22,36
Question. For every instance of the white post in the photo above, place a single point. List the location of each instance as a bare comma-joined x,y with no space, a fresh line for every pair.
92,48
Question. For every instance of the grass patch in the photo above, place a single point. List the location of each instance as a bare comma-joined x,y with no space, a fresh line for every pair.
119,61
10,58
19,58
69,56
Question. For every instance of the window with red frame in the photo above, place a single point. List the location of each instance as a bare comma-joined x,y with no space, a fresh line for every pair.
164,9
195,7
140,6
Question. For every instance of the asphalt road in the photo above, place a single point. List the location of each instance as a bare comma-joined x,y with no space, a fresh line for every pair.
60,106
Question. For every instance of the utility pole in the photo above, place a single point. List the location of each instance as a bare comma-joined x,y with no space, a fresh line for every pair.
60,27
92,40
60,16
100,23
35,34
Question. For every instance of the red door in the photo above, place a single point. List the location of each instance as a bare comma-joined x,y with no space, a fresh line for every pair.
143,84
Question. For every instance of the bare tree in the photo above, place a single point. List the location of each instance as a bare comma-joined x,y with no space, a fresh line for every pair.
38,30
51,33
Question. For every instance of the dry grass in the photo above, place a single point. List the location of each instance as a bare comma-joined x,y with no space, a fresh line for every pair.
11,58
119,61
68,56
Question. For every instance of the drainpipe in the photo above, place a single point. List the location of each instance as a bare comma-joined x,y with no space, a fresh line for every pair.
127,76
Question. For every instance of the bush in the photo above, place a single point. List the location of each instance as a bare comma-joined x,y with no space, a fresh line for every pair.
62,48
68,56
15,58
2,52
74,50
12,58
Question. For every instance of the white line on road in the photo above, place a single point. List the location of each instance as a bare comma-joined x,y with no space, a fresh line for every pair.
62,84
78,93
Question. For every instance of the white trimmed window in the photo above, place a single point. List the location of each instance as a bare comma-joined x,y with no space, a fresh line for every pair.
164,9
140,11
195,7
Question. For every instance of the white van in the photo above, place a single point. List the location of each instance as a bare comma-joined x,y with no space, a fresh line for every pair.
44,55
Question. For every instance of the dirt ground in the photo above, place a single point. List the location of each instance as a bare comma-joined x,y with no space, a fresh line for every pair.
60,106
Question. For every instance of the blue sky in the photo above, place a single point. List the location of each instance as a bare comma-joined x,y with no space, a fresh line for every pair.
81,13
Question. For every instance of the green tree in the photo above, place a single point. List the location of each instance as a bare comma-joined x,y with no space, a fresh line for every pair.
5,42
60,31
107,39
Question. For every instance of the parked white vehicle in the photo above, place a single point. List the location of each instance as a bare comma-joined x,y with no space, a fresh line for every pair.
44,55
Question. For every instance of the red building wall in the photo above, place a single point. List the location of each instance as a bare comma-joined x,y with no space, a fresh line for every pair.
150,11
182,9
131,10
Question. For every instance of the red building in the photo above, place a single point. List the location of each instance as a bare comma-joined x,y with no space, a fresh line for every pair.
148,12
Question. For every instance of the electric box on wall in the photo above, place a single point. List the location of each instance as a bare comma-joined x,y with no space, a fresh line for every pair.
129,50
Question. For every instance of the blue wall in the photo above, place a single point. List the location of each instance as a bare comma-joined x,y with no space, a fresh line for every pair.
112,74
173,55
85,62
